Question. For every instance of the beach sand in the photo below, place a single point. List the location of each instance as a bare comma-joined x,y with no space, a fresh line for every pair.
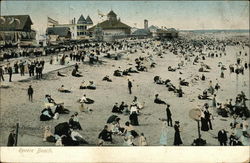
15,107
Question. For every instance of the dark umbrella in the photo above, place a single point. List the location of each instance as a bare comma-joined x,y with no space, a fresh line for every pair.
62,129
112,118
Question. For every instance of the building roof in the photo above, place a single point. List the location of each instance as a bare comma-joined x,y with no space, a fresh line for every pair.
141,32
60,31
111,24
14,22
152,27
81,20
169,30
89,20
111,13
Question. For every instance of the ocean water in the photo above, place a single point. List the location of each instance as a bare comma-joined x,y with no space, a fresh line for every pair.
218,31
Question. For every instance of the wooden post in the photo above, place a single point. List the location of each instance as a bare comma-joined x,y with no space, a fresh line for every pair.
199,133
17,126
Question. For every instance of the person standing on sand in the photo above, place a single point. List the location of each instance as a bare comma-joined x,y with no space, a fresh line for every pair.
163,137
169,114
1,73
11,138
177,137
222,137
30,93
130,86
10,73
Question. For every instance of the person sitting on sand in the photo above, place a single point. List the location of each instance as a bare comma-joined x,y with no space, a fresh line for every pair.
142,140
129,130
131,70
60,74
86,100
123,107
83,85
106,78
75,73
125,73
61,110
116,108
222,110
183,82
48,136
204,95
158,80
118,73
77,137
115,127
104,135
63,89
157,100
141,68
170,86
171,69
203,77
217,87
90,85
74,122
179,92
49,99
211,88
47,114
128,140
203,69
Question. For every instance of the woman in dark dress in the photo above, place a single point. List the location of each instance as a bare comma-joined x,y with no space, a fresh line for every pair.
204,124
134,119
11,138
177,137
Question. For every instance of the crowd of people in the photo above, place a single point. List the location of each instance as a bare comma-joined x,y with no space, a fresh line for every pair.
190,52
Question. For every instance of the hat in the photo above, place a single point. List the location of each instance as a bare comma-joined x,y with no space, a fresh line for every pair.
177,122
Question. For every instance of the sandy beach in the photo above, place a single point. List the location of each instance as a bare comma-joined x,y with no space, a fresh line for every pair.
15,107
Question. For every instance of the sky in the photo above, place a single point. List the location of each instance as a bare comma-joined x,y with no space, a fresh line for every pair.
181,15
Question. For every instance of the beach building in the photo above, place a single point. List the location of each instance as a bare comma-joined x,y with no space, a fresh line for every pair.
169,33
16,29
112,26
72,31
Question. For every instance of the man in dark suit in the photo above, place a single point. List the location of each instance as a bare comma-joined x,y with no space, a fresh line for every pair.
222,137
30,93
169,114
130,86
10,73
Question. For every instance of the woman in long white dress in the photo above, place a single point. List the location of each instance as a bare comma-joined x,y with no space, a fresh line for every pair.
163,137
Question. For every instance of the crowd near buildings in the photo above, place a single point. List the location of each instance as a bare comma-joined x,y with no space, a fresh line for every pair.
16,30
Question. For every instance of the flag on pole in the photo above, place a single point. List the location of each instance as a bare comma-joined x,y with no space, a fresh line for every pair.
52,22
100,14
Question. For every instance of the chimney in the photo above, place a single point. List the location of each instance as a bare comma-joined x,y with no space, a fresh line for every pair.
145,24
74,20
